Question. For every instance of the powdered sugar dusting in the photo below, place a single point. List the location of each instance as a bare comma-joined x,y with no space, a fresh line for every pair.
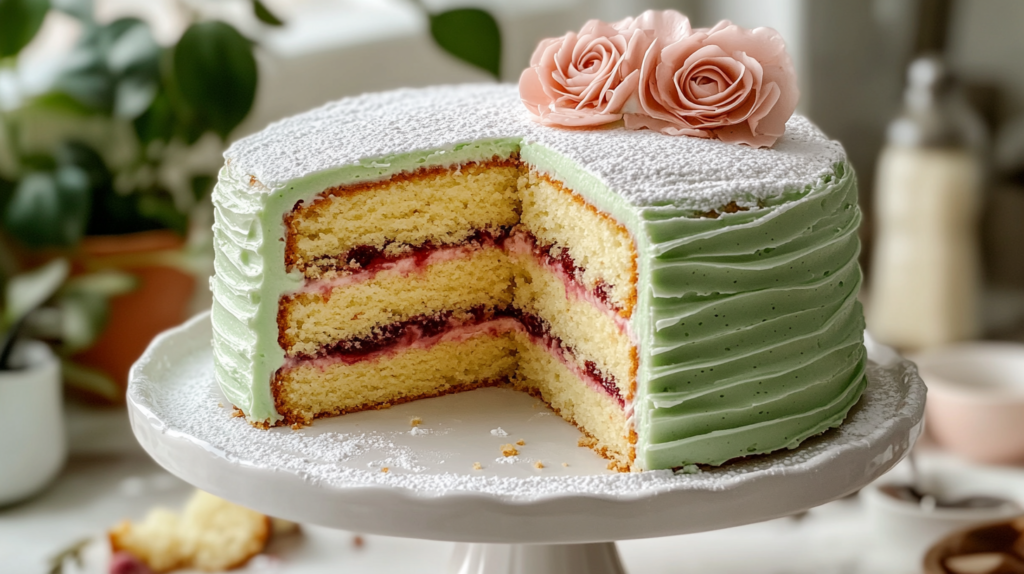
644,167
173,387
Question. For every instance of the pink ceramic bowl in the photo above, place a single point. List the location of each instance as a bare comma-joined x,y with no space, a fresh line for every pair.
975,402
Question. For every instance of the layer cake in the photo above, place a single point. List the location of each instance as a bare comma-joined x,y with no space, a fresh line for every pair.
680,300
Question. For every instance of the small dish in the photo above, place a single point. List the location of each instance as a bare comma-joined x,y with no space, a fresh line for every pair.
975,402
914,527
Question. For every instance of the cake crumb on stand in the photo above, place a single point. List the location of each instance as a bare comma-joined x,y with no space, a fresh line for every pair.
565,464
477,466
538,465
521,442
358,541
385,470
509,450
415,421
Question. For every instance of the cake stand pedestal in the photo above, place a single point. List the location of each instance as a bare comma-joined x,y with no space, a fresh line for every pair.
374,472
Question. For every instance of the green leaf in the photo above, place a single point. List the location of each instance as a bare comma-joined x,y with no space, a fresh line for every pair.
108,283
471,35
83,317
34,214
202,185
265,15
114,69
75,199
27,291
50,208
19,22
215,72
157,122
162,209
85,76
60,103
81,155
90,380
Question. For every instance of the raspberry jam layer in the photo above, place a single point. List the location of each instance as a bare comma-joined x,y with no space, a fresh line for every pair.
371,259
424,332
366,262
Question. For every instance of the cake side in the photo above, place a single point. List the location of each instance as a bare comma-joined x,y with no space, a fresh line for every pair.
757,335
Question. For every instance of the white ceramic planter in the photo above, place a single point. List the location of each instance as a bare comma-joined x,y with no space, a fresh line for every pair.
33,446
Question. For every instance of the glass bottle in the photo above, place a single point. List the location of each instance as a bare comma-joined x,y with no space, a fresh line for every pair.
926,271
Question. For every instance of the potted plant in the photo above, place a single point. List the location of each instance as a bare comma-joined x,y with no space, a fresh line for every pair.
91,171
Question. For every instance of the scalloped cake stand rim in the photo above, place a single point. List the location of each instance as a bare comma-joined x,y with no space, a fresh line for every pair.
438,503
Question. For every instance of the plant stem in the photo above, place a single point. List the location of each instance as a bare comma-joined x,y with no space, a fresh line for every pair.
10,338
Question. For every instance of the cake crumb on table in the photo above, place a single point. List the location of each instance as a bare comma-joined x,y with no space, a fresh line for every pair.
415,421
385,469
565,464
586,442
521,442
477,466
538,464
508,450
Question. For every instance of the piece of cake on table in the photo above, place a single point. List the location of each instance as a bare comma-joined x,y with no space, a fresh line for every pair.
652,245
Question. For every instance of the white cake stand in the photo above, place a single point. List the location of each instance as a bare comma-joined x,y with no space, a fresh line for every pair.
516,518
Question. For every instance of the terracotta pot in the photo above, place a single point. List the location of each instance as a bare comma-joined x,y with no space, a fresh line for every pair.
159,302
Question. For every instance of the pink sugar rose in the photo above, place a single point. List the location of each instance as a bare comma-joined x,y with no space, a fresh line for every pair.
584,79
726,82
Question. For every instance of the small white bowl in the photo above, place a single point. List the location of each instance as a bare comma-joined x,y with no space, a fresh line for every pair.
975,402
912,528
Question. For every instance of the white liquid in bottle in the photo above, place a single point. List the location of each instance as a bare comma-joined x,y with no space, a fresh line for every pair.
926,271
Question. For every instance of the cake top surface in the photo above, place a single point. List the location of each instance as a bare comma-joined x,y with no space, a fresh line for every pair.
644,167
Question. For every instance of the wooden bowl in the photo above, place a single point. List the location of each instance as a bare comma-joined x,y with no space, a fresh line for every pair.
998,536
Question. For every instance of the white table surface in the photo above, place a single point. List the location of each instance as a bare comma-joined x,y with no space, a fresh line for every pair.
109,478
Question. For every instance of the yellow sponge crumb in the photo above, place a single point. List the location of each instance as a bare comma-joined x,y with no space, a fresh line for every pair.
211,534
